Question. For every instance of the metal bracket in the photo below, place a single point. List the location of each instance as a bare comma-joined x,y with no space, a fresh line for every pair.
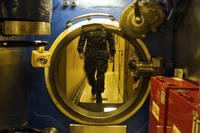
89,17
40,57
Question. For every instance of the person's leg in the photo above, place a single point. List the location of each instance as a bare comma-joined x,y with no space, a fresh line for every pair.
90,67
102,65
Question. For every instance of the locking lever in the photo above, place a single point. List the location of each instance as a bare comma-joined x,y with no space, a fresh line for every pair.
155,67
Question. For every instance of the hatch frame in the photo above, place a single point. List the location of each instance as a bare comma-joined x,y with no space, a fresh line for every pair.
77,113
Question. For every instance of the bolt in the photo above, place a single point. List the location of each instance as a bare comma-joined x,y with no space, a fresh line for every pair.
138,20
66,3
143,35
74,3
144,2
41,49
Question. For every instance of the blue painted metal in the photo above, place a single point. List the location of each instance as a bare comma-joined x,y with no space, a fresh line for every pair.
42,112
160,44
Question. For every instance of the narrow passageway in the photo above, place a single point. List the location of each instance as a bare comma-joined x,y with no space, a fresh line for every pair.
79,91
110,95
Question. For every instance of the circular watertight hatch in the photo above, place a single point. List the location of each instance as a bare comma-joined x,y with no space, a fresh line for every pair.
124,91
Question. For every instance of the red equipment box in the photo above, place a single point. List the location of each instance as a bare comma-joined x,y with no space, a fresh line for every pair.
159,94
184,111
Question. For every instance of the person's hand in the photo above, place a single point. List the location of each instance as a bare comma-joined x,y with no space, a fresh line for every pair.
81,56
111,59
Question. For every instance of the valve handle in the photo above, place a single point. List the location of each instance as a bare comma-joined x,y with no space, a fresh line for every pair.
137,16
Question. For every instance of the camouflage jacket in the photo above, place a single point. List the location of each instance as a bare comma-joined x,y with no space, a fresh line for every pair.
94,39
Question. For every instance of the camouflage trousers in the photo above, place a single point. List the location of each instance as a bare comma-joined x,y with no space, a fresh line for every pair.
95,67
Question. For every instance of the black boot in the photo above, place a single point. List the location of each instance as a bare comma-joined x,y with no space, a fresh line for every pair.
98,98
94,88
102,90
93,91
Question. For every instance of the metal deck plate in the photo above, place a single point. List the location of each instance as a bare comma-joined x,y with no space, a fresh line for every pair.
76,128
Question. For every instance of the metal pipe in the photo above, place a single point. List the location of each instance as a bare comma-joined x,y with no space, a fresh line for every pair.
89,17
13,43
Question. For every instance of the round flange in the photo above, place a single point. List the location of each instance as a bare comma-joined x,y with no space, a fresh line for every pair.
151,16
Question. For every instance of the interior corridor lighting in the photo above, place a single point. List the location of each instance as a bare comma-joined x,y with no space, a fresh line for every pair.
109,109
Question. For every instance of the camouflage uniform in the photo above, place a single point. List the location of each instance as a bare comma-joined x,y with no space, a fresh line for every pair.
96,53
